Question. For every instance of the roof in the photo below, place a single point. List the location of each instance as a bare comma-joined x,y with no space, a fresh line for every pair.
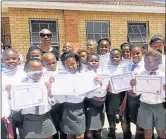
144,6
112,2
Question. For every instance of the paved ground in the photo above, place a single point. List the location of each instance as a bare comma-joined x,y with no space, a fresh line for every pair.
119,133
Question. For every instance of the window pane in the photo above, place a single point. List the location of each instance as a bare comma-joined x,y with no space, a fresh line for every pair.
54,39
105,28
138,37
97,27
130,29
97,37
35,34
52,27
89,27
144,37
89,36
42,26
131,38
35,28
35,39
105,36
135,29
142,29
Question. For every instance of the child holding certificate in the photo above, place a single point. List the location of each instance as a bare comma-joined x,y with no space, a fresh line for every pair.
131,101
113,101
10,75
37,122
95,110
151,112
73,118
50,64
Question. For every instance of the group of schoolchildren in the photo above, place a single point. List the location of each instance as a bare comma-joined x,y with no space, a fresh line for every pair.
83,116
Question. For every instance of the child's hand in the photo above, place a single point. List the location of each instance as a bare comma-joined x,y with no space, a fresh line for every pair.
8,89
109,87
51,80
133,83
48,85
98,80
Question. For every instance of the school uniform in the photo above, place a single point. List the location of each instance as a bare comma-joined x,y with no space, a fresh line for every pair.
37,122
95,108
104,60
73,117
151,112
132,100
11,77
113,101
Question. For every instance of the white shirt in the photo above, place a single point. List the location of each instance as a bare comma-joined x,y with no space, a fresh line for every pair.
162,65
42,109
104,60
100,92
152,98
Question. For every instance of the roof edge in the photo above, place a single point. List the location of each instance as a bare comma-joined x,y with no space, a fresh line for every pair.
82,7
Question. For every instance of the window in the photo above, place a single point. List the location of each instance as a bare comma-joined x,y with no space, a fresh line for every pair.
137,32
38,25
96,30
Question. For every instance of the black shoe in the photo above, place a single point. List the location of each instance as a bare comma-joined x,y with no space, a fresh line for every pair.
112,135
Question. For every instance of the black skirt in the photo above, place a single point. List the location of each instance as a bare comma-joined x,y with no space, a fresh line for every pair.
73,118
94,114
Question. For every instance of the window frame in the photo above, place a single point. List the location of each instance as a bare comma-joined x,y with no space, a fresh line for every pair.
55,44
146,31
101,33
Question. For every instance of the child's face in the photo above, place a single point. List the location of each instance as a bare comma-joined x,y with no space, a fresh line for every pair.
115,57
93,62
104,47
91,47
150,64
67,47
71,65
36,54
157,45
83,56
50,63
126,52
11,60
136,54
35,70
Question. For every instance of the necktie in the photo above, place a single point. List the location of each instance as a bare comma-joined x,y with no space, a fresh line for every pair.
133,67
152,73
37,107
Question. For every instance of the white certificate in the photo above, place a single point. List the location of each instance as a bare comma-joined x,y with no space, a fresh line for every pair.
27,95
121,82
149,84
105,80
47,75
63,84
84,83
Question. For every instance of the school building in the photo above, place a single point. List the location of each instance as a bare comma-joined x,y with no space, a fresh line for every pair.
77,21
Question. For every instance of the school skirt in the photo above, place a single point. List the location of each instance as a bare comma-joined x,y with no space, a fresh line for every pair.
73,118
132,106
150,116
95,117
113,102
38,126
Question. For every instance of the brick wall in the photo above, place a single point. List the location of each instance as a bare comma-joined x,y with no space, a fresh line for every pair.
72,25
6,27
20,26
